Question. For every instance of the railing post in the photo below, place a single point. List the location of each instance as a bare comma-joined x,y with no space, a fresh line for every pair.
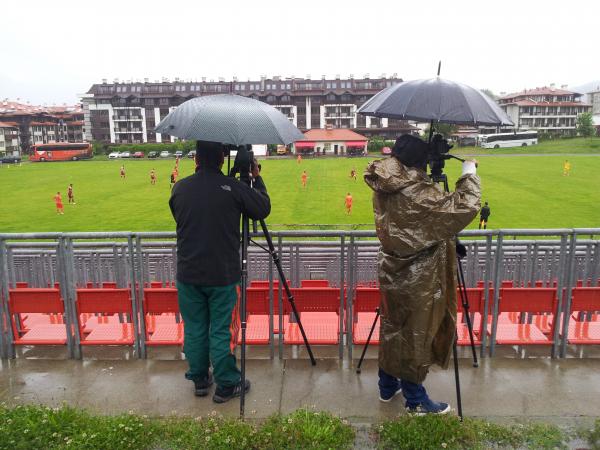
496,285
68,294
280,298
141,328
133,281
342,294
564,301
7,348
349,296
486,293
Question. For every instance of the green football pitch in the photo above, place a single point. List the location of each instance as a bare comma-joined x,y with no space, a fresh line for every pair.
523,192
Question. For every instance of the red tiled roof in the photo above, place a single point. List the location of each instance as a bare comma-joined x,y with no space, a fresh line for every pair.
75,123
9,108
540,91
335,134
9,125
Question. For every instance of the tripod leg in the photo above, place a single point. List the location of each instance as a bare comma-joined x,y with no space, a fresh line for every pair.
465,305
362,356
457,381
286,288
245,241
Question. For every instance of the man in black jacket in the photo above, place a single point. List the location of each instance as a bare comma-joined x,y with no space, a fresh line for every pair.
207,207
484,215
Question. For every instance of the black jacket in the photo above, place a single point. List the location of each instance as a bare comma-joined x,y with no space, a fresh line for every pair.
207,207
485,212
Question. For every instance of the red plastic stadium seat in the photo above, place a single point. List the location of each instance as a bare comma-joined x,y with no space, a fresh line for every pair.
21,284
161,308
109,285
362,327
108,302
584,333
33,302
534,300
264,284
320,328
167,334
257,330
314,283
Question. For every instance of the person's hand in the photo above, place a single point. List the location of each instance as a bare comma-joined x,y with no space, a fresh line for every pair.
255,169
469,167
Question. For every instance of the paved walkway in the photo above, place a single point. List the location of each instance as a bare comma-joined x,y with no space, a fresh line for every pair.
559,391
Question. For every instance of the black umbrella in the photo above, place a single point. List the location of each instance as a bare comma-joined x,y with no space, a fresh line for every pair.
229,119
435,100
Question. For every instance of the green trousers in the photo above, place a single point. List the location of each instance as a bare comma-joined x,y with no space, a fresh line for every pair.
211,323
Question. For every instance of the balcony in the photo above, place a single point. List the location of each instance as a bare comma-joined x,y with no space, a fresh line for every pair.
127,118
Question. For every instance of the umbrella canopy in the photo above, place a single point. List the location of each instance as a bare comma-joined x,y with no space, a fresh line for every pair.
229,119
435,100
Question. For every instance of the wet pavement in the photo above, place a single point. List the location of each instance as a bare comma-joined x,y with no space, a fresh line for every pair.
564,391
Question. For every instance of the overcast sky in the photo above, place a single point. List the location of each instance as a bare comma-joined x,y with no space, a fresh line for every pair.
54,50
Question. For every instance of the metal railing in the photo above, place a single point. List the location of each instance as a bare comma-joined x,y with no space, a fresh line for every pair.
559,257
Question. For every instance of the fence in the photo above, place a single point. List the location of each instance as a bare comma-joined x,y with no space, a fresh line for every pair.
561,259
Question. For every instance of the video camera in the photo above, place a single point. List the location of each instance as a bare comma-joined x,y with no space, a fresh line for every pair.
244,162
437,155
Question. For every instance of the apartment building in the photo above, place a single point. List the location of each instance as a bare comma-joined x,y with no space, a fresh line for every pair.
128,112
546,109
9,138
43,124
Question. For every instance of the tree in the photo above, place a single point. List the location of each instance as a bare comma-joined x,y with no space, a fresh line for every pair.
445,129
490,94
585,125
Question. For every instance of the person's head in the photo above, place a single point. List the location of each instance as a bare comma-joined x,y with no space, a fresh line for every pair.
70,184
58,193
348,193
209,154
411,151
485,204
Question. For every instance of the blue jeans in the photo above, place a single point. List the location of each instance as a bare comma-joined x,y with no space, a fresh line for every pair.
414,394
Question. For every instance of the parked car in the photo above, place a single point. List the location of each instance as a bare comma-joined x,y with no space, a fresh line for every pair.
178,154
138,155
165,154
152,154
10,159
114,155
125,155
191,154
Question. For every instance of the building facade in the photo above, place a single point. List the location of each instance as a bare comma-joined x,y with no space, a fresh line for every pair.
331,141
43,125
548,109
9,138
128,112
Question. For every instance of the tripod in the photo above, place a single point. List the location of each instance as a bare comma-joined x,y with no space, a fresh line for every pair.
244,284
441,178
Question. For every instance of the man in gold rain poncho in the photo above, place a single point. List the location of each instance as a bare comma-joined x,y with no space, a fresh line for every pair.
416,223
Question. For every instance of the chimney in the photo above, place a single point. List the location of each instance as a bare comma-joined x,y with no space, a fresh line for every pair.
145,80
308,76
323,77
104,80
337,77
564,86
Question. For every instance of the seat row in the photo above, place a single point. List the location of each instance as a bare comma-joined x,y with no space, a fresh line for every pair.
109,316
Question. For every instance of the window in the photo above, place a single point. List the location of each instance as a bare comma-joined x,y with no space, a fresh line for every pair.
285,98
149,101
270,98
163,101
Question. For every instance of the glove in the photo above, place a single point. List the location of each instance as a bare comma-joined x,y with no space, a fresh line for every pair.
469,167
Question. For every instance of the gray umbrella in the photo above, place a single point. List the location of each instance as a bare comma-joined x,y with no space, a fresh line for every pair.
436,100
229,119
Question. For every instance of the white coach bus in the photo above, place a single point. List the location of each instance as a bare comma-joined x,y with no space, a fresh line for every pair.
517,139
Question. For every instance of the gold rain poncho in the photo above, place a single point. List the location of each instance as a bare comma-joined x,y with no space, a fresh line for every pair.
416,223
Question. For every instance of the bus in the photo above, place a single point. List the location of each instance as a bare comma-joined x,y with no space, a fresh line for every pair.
515,139
61,151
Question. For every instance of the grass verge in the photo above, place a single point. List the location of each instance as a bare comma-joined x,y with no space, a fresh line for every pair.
448,432
27,427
